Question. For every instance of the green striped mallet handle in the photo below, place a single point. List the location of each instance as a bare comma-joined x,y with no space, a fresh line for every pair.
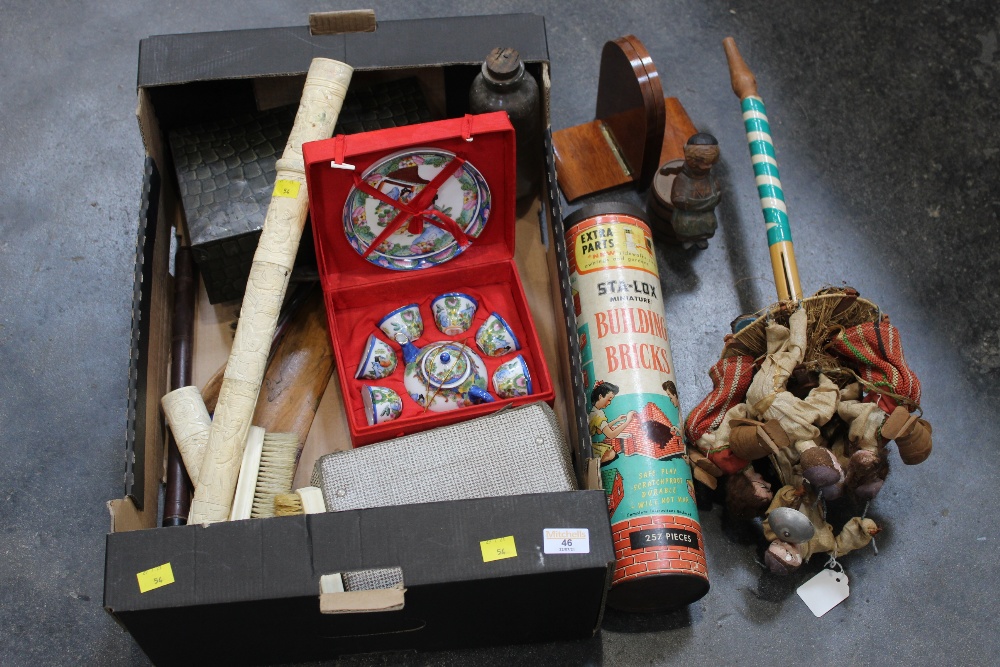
765,169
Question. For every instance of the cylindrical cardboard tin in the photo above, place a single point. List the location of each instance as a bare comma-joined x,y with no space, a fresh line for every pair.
635,421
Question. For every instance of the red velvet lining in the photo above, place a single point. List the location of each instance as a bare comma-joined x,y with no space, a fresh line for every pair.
358,293
355,313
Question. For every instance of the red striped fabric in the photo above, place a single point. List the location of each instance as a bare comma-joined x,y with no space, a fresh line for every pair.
731,378
875,353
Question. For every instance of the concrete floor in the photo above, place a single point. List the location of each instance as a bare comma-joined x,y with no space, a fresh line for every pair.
884,117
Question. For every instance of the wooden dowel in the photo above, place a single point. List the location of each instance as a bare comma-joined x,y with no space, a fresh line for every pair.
743,81
765,168
177,493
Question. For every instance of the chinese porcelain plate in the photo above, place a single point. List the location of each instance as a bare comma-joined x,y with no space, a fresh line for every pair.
464,196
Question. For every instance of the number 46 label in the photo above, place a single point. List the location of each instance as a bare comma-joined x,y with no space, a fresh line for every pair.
566,540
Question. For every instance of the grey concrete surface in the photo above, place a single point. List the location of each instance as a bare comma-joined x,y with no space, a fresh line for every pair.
885,120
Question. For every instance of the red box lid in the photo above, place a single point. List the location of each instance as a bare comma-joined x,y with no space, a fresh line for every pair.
486,141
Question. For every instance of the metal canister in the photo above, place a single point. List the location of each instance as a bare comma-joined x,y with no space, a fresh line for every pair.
634,415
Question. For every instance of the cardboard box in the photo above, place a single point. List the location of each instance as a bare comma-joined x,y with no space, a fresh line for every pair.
359,293
249,591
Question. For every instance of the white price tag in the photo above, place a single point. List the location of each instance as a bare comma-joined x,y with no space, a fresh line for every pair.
566,540
824,591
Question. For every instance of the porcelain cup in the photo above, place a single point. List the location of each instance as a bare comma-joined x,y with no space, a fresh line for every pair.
495,337
405,320
377,361
453,312
382,404
512,379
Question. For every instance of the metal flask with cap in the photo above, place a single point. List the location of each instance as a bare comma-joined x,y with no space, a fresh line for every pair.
444,375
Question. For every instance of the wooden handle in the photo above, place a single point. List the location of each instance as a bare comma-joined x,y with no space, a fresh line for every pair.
744,83
768,180
298,373
210,390
322,97
177,493
339,22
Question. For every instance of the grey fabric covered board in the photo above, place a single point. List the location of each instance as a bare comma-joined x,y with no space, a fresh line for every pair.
508,453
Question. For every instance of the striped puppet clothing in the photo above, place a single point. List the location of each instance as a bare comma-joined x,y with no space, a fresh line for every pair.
875,353
731,377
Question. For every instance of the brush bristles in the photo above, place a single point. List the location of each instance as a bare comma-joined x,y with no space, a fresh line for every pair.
288,504
277,468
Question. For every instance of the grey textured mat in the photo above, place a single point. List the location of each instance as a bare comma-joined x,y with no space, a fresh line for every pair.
371,580
505,454
225,170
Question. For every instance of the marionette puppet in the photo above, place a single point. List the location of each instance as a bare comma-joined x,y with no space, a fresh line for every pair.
807,396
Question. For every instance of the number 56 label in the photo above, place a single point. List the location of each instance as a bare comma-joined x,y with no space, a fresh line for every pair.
156,577
498,549
566,540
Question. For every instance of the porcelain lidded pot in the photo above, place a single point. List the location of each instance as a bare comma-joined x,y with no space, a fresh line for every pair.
445,376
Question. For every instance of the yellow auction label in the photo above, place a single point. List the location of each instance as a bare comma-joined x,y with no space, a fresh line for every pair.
155,578
498,549
283,188
610,243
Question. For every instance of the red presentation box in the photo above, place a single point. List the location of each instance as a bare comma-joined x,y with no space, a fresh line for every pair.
359,293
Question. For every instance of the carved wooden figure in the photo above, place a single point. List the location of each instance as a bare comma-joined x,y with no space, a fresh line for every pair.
685,193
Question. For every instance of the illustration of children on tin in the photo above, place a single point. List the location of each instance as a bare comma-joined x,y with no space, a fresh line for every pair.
668,436
671,390
600,398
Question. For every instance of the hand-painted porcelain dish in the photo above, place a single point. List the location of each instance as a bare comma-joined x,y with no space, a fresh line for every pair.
453,312
512,379
377,361
495,337
464,196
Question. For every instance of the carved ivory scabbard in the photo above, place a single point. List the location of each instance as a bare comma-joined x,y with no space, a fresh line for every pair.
323,94
190,423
